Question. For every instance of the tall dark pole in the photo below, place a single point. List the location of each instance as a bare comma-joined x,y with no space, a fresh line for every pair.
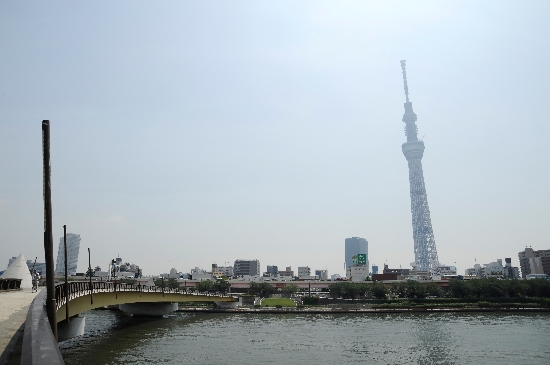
66,275
48,235
90,273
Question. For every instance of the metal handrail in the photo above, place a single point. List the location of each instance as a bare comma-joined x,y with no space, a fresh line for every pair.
82,288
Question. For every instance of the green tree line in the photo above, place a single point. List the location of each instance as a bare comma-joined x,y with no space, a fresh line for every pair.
351,290
476,288
494,288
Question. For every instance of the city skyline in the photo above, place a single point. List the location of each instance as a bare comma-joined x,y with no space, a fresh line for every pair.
184,135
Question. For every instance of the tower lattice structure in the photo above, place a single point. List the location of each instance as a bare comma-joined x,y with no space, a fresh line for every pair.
425,252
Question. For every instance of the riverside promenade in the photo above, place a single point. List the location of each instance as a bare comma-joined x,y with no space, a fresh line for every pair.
14,306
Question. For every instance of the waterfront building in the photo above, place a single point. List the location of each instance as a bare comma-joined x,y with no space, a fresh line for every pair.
534,262
425,252
354,246
321,274
246,267
73,248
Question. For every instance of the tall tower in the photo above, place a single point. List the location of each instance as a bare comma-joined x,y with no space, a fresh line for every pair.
425,252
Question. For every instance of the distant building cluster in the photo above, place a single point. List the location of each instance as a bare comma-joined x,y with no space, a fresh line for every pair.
533,264
494,270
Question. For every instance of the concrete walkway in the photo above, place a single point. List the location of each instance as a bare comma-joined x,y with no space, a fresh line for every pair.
13,312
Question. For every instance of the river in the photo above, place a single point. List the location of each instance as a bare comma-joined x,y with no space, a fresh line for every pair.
113,337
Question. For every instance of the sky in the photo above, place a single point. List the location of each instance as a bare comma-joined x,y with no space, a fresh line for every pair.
190,133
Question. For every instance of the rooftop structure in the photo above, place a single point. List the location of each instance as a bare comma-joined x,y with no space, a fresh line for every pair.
425,252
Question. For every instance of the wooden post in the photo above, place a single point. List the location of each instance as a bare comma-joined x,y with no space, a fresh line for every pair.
48,234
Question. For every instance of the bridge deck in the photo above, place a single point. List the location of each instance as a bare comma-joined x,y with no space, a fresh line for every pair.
85,296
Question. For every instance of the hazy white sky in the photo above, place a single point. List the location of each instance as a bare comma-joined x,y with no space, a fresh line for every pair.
188,133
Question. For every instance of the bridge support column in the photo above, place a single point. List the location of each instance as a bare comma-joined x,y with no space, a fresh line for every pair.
148,309
67,330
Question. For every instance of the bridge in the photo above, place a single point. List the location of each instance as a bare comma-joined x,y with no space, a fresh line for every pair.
84,296
40,345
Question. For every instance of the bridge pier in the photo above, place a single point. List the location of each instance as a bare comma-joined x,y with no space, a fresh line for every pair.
71,329
153,309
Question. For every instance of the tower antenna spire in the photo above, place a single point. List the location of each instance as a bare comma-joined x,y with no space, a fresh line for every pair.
425,251
403,66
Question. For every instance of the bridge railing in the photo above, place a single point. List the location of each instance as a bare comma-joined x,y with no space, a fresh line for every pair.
82,288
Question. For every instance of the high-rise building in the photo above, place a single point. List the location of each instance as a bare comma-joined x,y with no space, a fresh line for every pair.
246,267
355,246
425,252
73,247
272,270
534,262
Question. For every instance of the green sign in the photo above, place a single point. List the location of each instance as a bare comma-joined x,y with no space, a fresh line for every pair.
359,259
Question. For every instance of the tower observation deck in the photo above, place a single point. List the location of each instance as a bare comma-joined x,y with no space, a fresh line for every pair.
425,252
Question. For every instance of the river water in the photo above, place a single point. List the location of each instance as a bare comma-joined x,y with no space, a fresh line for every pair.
113,337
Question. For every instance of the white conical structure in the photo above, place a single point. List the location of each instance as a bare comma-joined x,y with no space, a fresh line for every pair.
19,270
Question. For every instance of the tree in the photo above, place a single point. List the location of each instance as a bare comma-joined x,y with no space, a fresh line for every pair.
460,289
261,289
434,290
173,283
160,282
205,286
291,289
379,290
222,286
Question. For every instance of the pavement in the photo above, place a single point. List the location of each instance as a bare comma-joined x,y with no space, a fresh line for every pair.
13,312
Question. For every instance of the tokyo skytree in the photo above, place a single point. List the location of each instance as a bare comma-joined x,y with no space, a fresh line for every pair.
425,252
